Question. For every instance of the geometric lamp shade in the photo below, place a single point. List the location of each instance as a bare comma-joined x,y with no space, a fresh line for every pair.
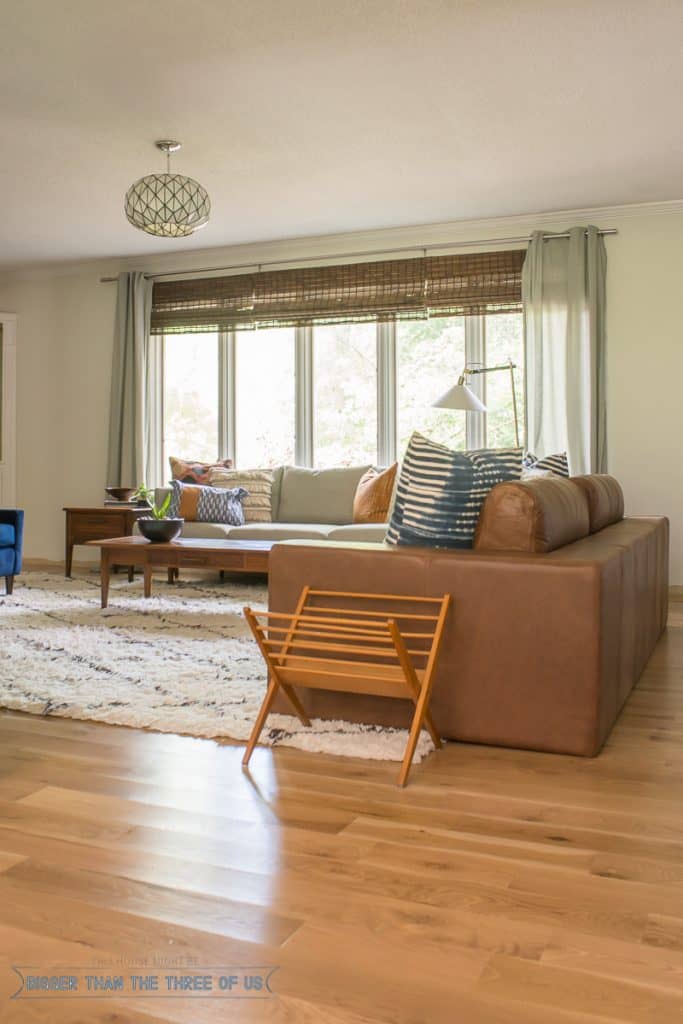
167,205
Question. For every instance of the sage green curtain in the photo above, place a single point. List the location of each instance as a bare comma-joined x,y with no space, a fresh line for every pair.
563,292
135,407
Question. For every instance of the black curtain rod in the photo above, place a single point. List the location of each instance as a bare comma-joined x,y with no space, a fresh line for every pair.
352,255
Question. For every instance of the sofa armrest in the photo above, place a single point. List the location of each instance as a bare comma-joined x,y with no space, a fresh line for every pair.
160,495
15,517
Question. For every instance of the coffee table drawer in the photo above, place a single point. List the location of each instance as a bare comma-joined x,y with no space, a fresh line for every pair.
200,559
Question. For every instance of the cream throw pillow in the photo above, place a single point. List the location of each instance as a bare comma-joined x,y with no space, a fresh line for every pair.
258,506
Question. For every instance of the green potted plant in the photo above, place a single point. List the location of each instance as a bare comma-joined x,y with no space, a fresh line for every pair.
158,527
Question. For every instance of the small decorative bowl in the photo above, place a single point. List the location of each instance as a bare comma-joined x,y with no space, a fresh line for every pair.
120,493
160,531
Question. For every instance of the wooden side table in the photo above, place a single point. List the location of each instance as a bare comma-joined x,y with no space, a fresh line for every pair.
97,523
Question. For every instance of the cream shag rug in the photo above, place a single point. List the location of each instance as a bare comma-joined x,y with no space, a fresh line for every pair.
182,661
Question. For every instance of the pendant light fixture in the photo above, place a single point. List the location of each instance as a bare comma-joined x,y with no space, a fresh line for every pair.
167,205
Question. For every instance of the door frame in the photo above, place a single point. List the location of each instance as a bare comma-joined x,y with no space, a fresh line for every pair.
8,410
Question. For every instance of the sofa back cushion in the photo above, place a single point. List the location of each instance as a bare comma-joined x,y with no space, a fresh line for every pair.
319,495
605,499
532,516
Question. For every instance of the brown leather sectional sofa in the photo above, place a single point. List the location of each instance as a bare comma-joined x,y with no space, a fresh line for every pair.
555,613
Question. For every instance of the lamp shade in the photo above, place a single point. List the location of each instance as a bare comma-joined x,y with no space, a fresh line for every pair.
459,397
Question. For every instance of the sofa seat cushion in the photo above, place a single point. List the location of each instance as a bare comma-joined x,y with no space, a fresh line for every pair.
281,531
319,495
605,499
365,533
202,531
532,516
8,535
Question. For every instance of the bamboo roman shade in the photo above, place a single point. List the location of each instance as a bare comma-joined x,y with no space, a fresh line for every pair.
457,285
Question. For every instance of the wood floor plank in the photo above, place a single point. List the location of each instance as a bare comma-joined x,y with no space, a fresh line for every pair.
501,887
544,986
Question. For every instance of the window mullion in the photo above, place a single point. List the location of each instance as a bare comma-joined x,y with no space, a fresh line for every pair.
155,427
386,393
475,354
304,439
227,439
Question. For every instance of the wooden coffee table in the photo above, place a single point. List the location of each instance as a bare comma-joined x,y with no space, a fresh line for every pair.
222,555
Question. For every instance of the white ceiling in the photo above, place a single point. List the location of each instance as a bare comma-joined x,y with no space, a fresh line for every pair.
307,117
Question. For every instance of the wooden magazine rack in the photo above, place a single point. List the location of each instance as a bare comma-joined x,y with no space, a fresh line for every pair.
374,645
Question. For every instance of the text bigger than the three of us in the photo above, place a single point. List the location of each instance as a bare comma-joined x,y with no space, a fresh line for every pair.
162,983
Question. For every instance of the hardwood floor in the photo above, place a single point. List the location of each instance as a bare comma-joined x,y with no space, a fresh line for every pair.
500,887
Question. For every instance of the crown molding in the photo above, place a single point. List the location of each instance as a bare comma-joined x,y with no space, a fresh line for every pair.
415,236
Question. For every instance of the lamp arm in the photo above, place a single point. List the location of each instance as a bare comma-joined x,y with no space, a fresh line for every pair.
488,369
510,367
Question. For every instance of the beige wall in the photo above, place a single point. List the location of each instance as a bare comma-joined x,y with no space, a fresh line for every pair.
64,339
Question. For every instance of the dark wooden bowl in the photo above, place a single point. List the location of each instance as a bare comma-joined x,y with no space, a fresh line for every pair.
160,531
120,493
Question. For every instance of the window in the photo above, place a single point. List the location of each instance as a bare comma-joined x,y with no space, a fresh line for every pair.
264,397
337,395
503,340
430,356
190,396
345,394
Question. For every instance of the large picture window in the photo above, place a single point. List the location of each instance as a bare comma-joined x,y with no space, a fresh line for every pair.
337,395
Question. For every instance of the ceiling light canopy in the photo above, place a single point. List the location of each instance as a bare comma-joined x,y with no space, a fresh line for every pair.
167,205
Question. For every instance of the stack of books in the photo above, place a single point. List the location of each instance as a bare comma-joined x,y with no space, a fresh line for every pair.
125,504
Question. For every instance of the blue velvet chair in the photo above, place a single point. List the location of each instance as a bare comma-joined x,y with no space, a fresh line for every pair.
11,544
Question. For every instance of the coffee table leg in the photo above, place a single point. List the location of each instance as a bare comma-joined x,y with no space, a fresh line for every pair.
131,573
171,575
147,579
105,569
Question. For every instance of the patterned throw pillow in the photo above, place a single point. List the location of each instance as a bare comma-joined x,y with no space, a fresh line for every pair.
558,464
258,505
372,500
195,472
207,504
440,492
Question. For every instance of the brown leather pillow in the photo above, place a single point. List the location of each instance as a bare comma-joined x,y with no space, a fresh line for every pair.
605,499
532,516
372,500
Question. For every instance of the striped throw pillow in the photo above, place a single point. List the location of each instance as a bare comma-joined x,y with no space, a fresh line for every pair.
258,486
557,464
440,492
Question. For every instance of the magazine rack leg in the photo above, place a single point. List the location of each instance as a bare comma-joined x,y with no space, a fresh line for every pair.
274,685
422,704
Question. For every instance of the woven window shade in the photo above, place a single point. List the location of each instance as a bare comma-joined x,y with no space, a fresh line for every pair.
460,285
